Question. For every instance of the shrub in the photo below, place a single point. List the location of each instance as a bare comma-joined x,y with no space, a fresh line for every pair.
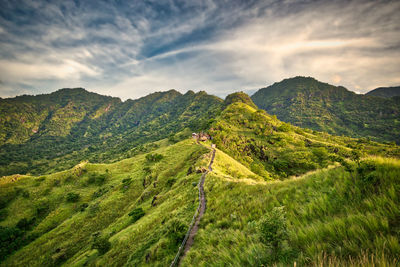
83,206
369,179
125,184
273,228
170,182
3,214
101,244
72,197
285,127
94,208
25,224
136,214
99,193
96,178
321,154
42,208
25,194
11,239
154,157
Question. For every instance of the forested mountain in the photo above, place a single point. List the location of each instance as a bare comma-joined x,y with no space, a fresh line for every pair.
276,193
308,103
385,92
58,130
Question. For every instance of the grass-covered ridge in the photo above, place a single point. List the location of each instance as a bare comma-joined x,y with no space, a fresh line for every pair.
339,216
131,212
274,149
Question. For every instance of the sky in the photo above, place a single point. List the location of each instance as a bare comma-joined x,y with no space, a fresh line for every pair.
132,48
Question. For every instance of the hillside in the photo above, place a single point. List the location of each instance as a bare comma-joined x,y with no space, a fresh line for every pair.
386,92
308,103
47,133
331,200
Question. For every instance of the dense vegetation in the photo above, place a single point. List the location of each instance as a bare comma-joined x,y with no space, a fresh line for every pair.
46,133
274,149
385,92
308,103
277,194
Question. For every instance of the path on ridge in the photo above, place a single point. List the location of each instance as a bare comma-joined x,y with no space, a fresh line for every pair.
202,199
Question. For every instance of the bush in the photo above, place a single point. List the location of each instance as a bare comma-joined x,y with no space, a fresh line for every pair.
3,214
101,244
11,239
72,197
136,214
369,180
99,193
42,208
25,224
273,228
96,178
154,157
83,206
171,182
321,154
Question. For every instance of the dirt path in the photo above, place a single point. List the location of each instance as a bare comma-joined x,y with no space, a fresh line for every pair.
202,209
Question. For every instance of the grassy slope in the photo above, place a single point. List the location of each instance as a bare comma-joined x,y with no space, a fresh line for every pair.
66,233
274,149
330,210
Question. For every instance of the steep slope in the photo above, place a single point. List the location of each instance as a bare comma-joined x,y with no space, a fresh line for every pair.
386,92
274,149
309,103
57,131
26,117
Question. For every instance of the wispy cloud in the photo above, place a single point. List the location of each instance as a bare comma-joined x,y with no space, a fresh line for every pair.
130,50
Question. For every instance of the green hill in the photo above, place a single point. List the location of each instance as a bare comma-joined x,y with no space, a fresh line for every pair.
386,92
277,194
47,133
308,103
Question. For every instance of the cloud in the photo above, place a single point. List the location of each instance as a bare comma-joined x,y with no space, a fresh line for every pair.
129,50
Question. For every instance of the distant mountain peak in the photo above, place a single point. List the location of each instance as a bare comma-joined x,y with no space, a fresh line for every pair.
239,97
386,92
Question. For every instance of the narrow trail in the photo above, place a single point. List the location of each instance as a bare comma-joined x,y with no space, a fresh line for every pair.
203,203
189,239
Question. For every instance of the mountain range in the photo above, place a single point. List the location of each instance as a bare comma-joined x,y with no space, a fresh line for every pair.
90,180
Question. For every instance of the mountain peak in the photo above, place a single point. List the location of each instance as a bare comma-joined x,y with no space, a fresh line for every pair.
239,97
386,92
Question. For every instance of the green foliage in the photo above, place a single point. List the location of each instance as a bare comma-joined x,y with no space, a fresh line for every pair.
42,208
25,224
239,97
154,157
11,239
386,92
3,214
306,102
53,132
101,244
136,214
273,228
72,197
